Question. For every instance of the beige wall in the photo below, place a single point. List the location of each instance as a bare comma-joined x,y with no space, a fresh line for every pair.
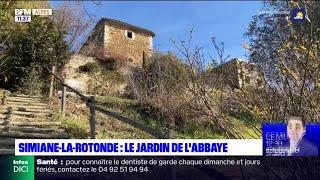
238,74
117,45
249,77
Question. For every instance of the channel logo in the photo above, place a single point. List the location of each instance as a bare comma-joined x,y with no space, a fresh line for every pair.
298,15
20,166
22,15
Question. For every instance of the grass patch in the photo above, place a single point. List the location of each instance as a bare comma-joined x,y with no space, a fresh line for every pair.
113,76
133,109
116,102
77,128
109,128
106,74
246,131
89,67
130,108
106,82
123,132
197,130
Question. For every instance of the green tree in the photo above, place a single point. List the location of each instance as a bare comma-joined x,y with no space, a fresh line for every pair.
40,46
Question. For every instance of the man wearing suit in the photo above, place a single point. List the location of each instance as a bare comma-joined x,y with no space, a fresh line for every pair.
298,145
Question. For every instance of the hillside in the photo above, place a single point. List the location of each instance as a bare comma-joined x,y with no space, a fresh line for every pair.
92,77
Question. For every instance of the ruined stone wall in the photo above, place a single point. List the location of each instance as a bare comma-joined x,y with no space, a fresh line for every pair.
249,76
130,51
237,74
94,44
230,73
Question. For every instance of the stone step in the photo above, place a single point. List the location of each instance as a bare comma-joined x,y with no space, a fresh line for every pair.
7,146
4,116
40,123
13,103
23,95
22,135
27,114
27,109
7,142
21,99
21,116
27,129
28,119
7,151
25,106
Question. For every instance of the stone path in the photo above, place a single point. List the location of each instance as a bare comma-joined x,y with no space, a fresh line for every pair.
26,117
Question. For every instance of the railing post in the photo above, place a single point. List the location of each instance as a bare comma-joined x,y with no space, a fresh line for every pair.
92,119
63,102
171,133
52,81
3,98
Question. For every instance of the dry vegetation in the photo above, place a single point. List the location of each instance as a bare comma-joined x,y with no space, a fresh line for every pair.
167,93
177,92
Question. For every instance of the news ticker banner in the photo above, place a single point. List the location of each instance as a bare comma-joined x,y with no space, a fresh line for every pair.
154,167
138,147
75,167
275,142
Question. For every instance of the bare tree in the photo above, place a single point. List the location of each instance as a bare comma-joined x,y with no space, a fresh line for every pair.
74,21
179,89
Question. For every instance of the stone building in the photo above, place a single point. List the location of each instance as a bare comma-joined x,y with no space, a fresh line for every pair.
237,74
120,41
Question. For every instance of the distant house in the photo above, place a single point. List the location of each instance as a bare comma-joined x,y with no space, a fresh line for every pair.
120,41
237,74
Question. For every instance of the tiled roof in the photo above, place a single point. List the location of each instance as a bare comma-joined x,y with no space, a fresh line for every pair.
126,25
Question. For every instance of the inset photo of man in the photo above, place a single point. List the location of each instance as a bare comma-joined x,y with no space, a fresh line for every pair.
298,145
295,137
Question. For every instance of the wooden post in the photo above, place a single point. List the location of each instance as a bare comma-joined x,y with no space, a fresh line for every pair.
171,125
92,119
51,82
63,102
3,98
144,59
171,135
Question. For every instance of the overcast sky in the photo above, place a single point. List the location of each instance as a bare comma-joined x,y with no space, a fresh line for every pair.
226,20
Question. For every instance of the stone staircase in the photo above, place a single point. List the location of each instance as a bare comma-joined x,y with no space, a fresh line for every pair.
26,117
